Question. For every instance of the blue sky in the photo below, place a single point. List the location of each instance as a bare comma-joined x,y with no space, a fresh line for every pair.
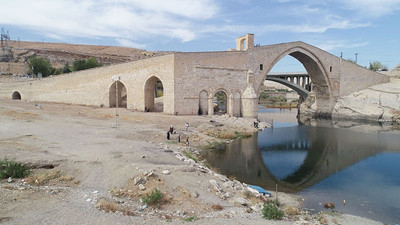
370,28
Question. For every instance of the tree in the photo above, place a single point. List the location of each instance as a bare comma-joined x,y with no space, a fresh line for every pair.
81,64
78,64
39,65
376,65
92,63
56,71
66,69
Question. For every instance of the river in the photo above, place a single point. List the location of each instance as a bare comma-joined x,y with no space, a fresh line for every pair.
359,164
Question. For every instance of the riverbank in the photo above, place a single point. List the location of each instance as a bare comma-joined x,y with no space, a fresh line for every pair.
111,164
376,103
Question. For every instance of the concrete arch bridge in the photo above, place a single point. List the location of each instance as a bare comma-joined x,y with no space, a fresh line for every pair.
299,82
190,80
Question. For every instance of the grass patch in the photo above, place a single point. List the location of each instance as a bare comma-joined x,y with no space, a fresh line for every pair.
226,135
211,145
190,156
275,202
12,169
154,198
190,219
272,212
242,134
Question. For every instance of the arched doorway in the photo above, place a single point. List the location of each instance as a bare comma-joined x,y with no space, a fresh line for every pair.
203,103
16,95
154,95
220,102
120,98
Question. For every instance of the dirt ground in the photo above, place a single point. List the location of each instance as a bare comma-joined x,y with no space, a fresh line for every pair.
59,54
89,168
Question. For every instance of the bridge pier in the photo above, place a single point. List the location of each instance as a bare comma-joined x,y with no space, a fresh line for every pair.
250,98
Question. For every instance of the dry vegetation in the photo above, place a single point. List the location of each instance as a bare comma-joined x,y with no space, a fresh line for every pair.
50,177
109,206
217,207
21,115
225,133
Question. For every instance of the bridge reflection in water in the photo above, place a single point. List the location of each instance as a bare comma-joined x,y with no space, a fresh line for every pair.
326,163
297,157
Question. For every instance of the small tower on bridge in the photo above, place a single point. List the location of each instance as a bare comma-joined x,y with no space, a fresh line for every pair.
249,98
245,42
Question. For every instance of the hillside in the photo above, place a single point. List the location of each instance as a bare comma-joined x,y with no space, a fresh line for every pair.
60,53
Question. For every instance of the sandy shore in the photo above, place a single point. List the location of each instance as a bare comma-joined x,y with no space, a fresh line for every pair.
101,169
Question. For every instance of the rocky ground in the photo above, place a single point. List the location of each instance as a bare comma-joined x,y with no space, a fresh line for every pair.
379,102
90,168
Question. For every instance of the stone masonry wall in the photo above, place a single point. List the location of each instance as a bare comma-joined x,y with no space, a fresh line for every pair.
211,72
91,87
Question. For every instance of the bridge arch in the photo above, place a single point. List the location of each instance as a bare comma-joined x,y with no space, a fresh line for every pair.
120,98
221,102
154,95
203,102
321,91
16,95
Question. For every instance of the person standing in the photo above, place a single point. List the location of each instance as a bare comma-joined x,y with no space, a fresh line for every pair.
187,141
187,126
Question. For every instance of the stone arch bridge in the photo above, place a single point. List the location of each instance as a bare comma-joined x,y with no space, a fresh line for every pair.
190,81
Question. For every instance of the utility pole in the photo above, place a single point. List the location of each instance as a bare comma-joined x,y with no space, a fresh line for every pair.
116,79
356,57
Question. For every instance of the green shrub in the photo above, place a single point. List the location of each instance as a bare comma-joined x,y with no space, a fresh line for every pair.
154,198
190,156
272,212
274,201
190,219
12,169
39,65
242,134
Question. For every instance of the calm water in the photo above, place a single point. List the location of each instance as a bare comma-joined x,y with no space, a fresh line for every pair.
323,164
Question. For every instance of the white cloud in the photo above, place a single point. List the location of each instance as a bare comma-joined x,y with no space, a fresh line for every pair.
129,43
372,8
334,44
123,19
318,26
314,28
